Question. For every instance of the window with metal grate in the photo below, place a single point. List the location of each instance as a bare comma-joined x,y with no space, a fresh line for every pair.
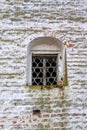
44,70
46,62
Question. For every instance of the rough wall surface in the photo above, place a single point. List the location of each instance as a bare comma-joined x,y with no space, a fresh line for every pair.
61,109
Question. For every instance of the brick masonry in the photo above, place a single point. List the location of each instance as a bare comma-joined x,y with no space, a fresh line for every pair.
61,109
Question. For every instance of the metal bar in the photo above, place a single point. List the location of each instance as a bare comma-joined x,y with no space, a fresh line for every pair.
44,71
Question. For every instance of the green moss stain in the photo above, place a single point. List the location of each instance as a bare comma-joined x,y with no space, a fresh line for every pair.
65,80
44,127
48,87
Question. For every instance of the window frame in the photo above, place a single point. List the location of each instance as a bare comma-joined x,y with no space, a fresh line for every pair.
43,53
44,56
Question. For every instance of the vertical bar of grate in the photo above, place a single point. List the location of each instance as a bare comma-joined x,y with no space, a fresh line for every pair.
44,71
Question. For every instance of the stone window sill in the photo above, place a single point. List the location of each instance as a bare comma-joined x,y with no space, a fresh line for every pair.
44,86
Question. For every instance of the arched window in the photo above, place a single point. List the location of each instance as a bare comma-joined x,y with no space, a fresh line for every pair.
45,61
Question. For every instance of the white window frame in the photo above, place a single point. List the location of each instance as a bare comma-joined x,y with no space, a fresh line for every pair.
40,53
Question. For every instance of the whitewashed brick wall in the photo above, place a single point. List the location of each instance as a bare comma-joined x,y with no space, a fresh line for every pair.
61,109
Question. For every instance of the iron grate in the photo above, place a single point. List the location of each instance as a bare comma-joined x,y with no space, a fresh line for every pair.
44,70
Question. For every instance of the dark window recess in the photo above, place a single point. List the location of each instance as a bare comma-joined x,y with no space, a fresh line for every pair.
44,70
